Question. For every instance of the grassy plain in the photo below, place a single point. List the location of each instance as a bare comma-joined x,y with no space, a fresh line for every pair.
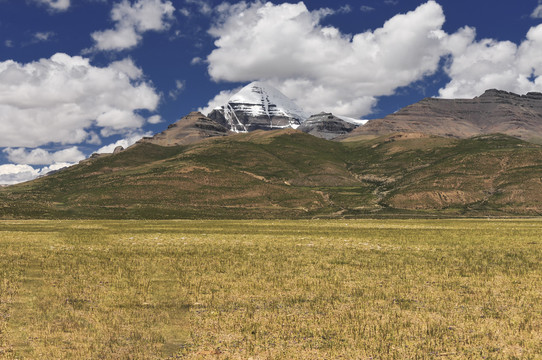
350,289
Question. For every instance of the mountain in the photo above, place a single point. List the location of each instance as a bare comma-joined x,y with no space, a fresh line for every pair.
258,106
199,168
190,129
289,174
493,112
326,126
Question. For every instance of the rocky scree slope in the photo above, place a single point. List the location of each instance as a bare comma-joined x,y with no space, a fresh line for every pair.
493,112
189,130
326,126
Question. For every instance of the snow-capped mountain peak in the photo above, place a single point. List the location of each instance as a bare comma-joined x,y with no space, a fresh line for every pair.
264,99
259,106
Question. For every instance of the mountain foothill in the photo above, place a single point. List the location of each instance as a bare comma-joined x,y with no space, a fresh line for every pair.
262,156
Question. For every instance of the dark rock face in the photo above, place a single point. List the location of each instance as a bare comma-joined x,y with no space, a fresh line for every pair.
493,112
218,117
326,126
190,129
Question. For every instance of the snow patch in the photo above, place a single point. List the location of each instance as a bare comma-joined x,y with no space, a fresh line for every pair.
352,120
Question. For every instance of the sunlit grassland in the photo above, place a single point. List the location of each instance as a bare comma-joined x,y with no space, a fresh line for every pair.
351,289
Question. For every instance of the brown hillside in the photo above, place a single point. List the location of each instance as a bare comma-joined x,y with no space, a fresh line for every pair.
191,129
493,112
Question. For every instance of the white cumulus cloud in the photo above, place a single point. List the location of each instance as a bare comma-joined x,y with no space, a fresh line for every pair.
13,174
131,21
179,87
43,157
23,158
537,12
155,119
43,36
203,6
318,66
321,68
128,141
220,99
56,5
58,100
476,66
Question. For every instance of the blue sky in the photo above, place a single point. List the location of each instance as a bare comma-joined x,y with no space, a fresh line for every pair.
80,76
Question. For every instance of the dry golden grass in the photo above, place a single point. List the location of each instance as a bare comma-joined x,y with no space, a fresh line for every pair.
393,289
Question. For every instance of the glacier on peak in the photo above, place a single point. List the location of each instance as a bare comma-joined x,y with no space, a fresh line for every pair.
267,100
259,106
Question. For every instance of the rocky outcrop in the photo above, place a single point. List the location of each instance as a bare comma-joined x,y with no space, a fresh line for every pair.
493,112
190,129
326,126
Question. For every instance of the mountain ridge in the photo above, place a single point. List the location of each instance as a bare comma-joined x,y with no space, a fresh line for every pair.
190,129
327,126
495,111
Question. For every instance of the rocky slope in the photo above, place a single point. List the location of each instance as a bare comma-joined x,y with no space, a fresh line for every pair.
258,106
189,130
326,126
493,112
